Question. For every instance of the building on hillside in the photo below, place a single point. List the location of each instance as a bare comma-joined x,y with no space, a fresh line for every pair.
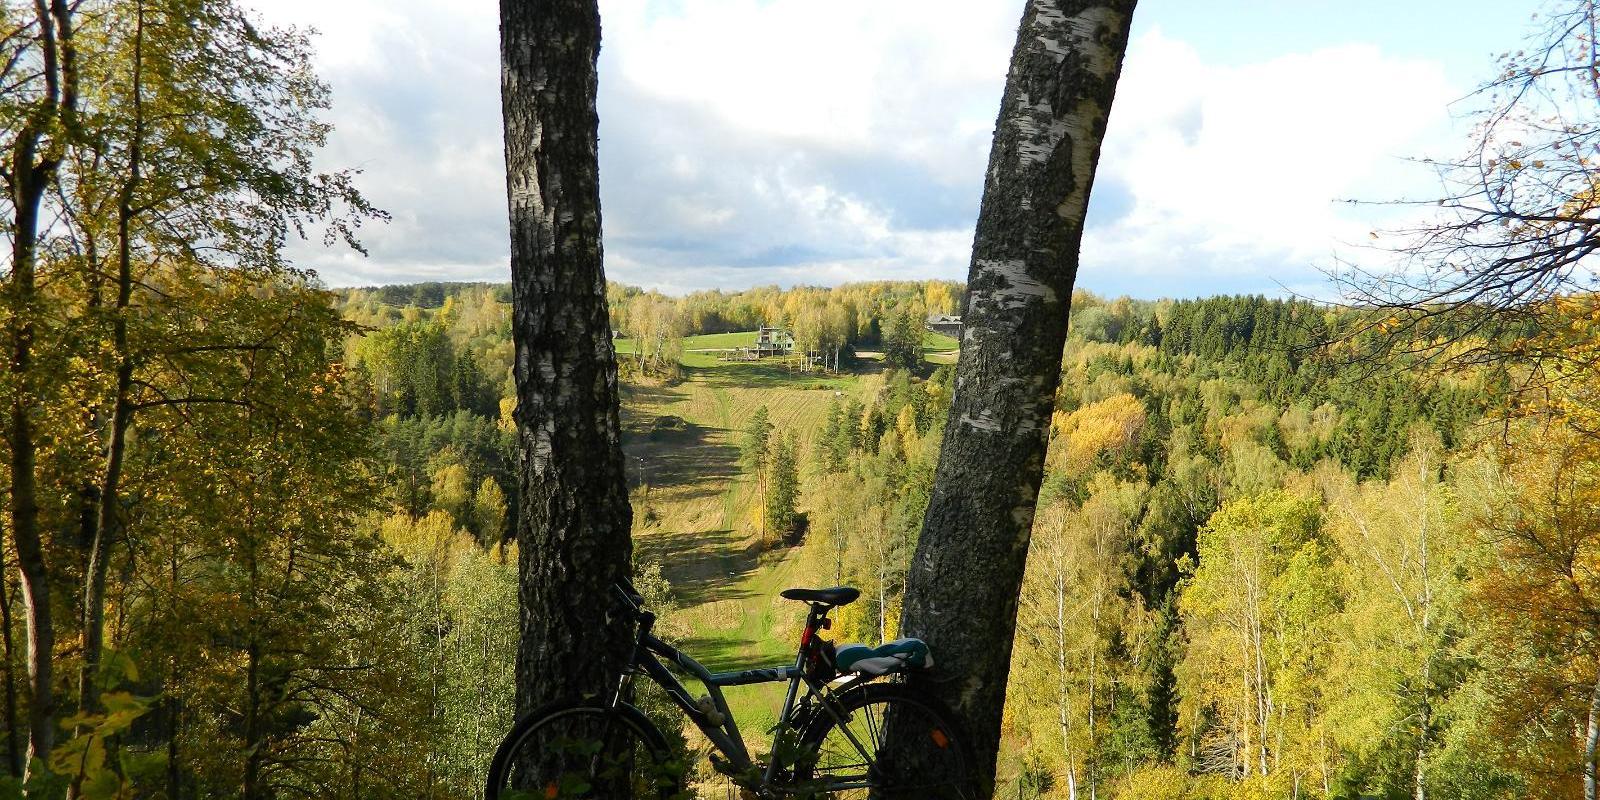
773,341
945,324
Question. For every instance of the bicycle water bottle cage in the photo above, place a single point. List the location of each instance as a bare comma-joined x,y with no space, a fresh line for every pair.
900,655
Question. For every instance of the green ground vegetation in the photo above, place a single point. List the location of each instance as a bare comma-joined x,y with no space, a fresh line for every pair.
1231,520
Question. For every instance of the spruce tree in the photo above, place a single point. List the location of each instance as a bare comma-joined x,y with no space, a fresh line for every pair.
784,483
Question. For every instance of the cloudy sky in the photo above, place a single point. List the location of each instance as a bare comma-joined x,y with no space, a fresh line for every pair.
748,142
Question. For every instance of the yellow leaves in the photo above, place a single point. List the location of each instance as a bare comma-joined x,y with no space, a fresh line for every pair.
508,408
85,757
1540,518
431,540
906,425
1109,425
1165,783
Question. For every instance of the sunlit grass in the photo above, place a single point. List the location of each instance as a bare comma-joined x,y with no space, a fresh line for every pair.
700,506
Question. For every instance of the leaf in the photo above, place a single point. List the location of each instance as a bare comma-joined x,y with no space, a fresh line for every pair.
573,785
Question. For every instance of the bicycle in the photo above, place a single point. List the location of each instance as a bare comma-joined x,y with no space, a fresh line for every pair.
827,743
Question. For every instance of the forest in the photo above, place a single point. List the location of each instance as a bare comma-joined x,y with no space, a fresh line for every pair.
1257,570
270,539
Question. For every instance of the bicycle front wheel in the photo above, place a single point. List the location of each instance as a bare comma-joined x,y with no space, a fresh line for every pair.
582,751
850,759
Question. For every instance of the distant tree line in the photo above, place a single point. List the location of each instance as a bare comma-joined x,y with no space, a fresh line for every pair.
1256,571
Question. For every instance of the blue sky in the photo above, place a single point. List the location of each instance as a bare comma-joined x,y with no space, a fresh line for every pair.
748,142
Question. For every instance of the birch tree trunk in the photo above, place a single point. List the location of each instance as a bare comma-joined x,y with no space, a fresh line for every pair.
573,517
13,740
963,586
1591,766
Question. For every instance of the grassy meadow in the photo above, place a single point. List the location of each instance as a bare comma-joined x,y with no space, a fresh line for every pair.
696,510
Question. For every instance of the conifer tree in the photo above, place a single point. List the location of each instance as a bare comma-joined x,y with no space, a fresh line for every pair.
785,486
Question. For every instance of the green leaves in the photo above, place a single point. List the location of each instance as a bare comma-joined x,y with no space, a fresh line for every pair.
87,758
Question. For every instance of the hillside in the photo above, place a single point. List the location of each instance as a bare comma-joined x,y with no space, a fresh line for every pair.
696,508
1199,448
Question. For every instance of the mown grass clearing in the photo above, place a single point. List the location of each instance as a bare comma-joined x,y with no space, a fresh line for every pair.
697,516
708,350
939,343
708,341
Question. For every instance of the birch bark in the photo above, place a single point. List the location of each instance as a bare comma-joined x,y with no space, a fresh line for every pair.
573,516
965,577
1591,766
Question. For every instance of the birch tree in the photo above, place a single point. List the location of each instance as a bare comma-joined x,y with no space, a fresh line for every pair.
966,574
572,516
1403,560
1256,610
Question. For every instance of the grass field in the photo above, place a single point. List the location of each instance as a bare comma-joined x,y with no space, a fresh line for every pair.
694,508
717,341
938,348
938,343
933,344
697,515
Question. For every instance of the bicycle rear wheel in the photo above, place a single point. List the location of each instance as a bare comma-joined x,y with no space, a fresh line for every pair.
851,761
582,751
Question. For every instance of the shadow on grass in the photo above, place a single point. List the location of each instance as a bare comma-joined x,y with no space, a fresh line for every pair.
632,392
680,458
764,375
727,653
703,566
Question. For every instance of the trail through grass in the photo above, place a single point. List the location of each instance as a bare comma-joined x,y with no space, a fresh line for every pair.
696,517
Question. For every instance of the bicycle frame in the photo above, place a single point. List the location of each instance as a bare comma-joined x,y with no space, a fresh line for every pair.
725,737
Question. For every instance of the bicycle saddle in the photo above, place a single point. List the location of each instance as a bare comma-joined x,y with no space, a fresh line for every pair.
836,596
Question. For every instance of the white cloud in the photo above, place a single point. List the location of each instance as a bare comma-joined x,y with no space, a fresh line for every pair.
918,78
416,107
815,141
1233,170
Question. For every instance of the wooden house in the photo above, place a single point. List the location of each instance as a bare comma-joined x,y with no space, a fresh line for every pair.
945,324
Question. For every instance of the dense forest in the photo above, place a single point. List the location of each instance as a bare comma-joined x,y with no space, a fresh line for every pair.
261,538
1259,569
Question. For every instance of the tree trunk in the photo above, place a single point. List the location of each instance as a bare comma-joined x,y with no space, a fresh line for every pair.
29,191
13,738
574,520
174,764
1063,713
108,518
1591,767
1419,787
250,784
32,170
967,572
